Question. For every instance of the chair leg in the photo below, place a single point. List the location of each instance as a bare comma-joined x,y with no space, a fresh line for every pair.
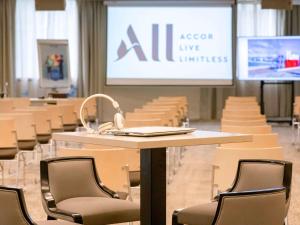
2,173
50,218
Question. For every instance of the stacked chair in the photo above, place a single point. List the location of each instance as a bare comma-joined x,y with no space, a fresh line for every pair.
252,199
33,126
242,115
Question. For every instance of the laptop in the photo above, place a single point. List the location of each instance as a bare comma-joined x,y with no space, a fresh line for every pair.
152,131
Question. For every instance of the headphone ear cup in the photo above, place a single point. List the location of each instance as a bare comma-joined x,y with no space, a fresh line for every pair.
105,126
119,121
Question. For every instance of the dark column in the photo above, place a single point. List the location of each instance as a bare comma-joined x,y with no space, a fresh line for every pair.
153,186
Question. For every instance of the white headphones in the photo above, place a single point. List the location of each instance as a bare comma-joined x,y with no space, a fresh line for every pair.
118,117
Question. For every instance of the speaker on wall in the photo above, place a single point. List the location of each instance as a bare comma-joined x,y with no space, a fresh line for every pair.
277,4
50,4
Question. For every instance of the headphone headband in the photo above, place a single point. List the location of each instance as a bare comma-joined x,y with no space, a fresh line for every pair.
114,103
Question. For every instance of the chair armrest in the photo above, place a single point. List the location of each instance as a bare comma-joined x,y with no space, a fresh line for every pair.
108,191
51,206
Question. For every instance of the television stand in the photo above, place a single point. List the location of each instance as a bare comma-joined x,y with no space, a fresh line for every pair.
262,101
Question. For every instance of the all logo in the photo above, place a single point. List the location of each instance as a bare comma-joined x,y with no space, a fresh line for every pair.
135,45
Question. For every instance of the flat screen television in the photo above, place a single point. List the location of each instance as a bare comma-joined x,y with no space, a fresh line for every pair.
269,58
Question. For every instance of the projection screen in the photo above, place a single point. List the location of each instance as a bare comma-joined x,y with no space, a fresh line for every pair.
162,45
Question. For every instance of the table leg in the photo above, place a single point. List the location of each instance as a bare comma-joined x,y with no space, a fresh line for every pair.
153,186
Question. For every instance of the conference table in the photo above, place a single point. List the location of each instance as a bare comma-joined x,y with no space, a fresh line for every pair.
152,161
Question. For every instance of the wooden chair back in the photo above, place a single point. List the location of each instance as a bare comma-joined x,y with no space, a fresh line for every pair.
243,117
41,117
8,133
144,122
149,115
6,105
55,117
21,102
259,141
241,112
24,124
225,122
265,129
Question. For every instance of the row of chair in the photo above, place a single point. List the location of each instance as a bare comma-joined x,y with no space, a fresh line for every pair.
28,127
263,171
242,115
163,111
260,195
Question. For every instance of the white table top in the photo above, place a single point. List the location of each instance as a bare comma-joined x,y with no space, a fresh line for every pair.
192,139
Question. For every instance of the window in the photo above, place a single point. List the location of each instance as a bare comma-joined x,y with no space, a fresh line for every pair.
32,25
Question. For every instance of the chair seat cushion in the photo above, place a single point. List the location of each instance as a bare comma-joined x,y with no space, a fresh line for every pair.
101,210
26,144
198,215
56,222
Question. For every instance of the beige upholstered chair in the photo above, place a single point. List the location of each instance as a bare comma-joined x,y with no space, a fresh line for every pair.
14,212
251,175
71,190
124,163
258,207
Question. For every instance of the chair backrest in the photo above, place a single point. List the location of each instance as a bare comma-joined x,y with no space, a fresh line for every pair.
252,112
243,122
147,116
259,141
265,129
68,113
244,117
262,174
144,122
24,123
55,116
21,102
71,177
242,107
41,117
8,133
170,113
13,208
241,99
227,160
110,163
6,105
264,207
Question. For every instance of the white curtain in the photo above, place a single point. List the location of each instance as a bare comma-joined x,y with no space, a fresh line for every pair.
32,25
254,21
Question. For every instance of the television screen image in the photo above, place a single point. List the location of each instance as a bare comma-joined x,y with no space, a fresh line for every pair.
274,58
54,63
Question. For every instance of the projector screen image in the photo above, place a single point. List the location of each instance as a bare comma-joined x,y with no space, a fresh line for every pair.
274,58
169,45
